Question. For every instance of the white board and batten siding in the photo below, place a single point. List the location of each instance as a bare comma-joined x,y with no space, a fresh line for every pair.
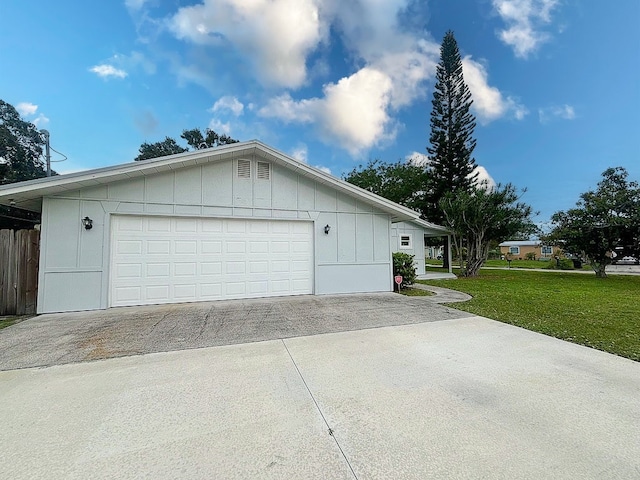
88,269
161,259
407,237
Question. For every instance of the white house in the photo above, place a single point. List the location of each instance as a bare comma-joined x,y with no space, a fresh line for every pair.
409,237
236,221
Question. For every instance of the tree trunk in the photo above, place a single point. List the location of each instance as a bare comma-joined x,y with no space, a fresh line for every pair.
445,255
599,268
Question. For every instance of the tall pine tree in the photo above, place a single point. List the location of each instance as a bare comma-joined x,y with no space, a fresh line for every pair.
451,163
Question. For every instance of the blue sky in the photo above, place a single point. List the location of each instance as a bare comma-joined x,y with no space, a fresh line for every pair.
556,83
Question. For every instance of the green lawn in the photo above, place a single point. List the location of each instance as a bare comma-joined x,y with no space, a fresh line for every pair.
415,292
8,321
599,313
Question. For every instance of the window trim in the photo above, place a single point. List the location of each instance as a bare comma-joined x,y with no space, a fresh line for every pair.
549,251
243,168
517,250
409,239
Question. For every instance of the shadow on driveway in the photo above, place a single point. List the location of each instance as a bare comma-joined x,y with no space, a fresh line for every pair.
54,339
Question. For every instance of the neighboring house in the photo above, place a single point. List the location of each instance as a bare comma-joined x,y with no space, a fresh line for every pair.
409,237
237,221
518,249
433,252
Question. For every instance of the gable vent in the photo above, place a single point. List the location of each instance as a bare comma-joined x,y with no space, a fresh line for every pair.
264,172
244,168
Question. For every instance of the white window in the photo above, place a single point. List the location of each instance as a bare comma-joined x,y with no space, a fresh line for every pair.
405,242
546,250
514,250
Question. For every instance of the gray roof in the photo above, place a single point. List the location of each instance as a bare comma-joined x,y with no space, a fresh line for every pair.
521,243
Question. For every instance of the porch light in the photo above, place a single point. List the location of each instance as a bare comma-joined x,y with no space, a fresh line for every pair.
327,228
88,223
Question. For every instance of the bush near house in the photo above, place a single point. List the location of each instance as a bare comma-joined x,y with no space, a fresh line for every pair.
403,265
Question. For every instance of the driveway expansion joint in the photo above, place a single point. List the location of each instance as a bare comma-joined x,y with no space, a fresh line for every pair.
324,419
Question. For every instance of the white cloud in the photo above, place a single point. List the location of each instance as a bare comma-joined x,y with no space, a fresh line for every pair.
525,20
276,35
324,169
391,63
353,112
417,158
300,153
484,180
228,103
289,110
26,108
564,112
488,102
41,121
134,4
105,71
220,127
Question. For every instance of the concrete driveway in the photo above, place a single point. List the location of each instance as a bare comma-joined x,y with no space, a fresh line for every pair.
82,336
463,397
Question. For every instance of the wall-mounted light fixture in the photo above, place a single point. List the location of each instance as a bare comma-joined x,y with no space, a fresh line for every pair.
88,223
327,228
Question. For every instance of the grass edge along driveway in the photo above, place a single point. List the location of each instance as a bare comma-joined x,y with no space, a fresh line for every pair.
598,313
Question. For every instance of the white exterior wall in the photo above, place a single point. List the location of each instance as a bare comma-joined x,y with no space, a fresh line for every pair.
74,263
417,243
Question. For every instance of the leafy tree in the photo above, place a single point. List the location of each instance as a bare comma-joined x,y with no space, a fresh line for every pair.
482,216
604,223
20,147
168,146
400,182
197,140
194,138
451,164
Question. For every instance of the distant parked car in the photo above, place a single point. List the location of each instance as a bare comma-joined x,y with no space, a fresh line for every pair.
626,261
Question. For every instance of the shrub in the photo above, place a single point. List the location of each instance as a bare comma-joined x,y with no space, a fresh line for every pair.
530,256
563,264
403,265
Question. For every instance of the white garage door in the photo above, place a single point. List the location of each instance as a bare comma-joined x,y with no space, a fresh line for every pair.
170,259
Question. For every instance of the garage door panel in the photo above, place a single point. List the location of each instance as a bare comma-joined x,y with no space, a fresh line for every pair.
127,294
185,269
186,225
186,247
129,270
209,247
211,268
185,292
211,291
129,247
158,269
169,259
158,224
158,247
156,292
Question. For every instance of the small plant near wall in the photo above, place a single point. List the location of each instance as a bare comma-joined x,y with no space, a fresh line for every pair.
530,256
403,265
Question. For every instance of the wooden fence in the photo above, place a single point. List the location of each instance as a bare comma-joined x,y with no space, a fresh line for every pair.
19,256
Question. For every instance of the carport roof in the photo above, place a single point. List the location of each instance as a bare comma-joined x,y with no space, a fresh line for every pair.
29,194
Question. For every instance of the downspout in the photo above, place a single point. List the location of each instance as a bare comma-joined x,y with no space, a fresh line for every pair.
449,253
